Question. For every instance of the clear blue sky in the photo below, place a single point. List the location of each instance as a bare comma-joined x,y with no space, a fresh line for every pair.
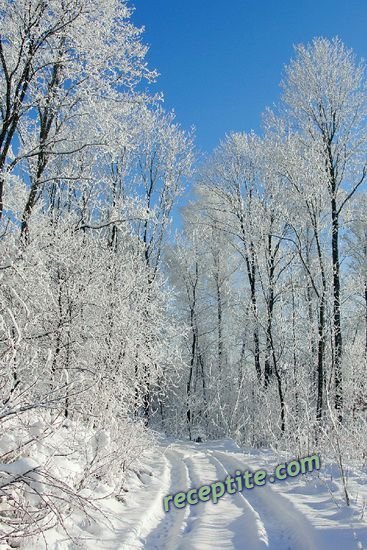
221,61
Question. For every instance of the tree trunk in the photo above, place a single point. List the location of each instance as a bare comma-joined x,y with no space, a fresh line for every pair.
320,359
336,312
268,368
251,271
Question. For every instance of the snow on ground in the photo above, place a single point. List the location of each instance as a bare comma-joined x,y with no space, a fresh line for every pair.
303,513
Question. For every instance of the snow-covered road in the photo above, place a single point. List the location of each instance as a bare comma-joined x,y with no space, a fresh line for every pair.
277,517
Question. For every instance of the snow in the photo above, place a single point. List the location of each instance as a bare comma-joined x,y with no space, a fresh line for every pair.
19,467
303,513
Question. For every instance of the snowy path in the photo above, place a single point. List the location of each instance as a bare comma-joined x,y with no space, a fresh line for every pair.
205,525
265,517
243,520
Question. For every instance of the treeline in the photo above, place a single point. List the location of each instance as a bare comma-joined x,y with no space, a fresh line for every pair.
90,167
271,268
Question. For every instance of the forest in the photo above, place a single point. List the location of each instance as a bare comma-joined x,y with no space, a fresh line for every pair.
126,314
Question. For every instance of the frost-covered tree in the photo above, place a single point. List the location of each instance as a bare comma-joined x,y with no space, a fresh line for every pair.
90,168
325,97
64,66
289,208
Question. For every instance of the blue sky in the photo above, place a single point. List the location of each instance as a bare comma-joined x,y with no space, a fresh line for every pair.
220,62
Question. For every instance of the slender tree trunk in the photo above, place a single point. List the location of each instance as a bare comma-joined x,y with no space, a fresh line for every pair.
12,113
280,388
219,320
191,370
268,368
146,397
320,329
193,356
320,359
336,312
251,271
309,294
294,343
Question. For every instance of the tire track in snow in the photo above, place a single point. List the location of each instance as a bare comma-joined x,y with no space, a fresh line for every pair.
168,532
287,528
229,524
131,535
